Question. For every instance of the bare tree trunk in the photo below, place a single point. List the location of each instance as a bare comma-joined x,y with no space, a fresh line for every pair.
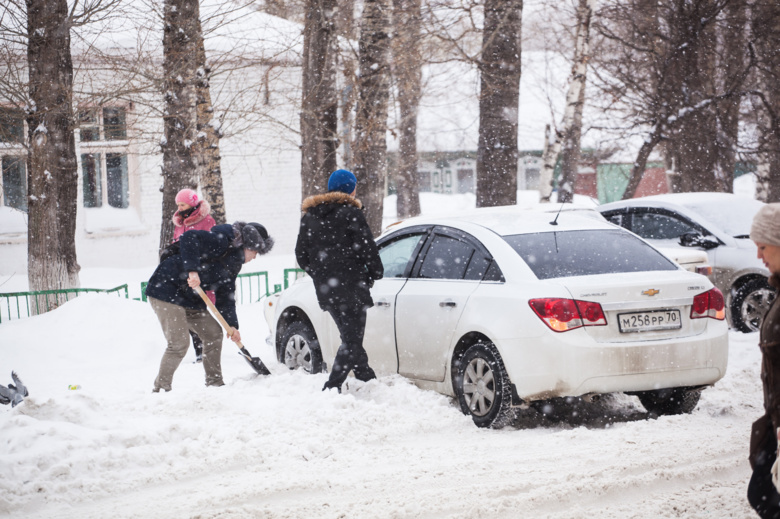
408,74
370,146
180,121
345,27
766,32
499,99
638,169
552,147
206,148
575,100
733,42
319,107
52,177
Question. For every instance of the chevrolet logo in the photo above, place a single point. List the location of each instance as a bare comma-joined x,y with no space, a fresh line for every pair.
650,292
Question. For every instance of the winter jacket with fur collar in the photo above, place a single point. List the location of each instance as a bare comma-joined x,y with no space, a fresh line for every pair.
336,248
199,220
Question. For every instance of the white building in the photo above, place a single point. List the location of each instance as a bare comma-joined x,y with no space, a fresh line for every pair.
256,94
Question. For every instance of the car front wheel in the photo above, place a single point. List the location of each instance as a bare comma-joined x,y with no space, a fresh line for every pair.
749,304
300,348
670,401
483,387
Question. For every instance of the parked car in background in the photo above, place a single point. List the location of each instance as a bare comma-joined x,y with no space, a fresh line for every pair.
504,308
718,223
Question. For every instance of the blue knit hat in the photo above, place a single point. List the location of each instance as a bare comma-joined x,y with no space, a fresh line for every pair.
342,180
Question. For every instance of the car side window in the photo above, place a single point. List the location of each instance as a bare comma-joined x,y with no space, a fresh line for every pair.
478,266
446,258
653,226
616,218
396,254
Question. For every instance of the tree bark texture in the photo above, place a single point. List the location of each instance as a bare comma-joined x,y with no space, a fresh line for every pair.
407,62
319,106
207,157
552,148
692,138
347,62
766,32
370,145
575,100
733,56
52,176
499,99
180,25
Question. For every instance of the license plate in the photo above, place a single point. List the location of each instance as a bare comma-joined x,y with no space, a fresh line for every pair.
649,321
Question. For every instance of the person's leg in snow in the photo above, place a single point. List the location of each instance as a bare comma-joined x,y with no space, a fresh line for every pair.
351,356
197,345
210,332
173,320
762,494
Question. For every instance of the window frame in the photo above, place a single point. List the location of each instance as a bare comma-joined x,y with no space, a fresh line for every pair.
454,233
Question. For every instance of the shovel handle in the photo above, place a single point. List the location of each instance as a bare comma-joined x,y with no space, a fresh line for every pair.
216,313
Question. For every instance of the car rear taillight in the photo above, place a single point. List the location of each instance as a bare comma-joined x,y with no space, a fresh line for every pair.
709,304
562,315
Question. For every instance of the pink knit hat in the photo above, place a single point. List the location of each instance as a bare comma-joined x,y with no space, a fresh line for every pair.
187,196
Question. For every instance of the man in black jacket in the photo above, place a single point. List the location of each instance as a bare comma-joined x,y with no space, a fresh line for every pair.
336,248
213,260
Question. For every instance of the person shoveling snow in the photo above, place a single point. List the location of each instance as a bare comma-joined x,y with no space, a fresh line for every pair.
14,393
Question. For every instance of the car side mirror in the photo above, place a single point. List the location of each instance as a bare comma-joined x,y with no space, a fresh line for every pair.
694,239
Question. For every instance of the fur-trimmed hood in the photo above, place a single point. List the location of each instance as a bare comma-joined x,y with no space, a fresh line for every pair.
332,197
202,210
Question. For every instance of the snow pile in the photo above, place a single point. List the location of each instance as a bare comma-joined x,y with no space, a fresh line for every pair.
279,447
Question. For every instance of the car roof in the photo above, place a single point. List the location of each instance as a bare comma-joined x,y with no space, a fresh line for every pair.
510,220
673,200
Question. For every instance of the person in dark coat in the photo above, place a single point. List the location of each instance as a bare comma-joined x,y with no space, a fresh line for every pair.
763,487
213,260
336,248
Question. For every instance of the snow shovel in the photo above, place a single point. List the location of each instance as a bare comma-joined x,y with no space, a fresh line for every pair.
255,362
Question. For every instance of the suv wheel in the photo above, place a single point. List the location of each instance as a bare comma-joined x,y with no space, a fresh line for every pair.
749,304
300,348
483,388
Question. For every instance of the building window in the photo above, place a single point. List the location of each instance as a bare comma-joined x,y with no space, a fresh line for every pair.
12,159
104,172
115,182
14,182
11,126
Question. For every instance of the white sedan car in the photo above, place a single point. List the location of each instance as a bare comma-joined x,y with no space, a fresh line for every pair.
502,309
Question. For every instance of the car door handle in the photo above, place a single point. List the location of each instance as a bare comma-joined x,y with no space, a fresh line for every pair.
383,303
449,304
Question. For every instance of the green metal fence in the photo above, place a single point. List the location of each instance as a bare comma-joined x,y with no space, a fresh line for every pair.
297,273
250,287
25,304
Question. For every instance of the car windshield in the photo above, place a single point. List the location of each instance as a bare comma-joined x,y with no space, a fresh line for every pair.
734,222
582,253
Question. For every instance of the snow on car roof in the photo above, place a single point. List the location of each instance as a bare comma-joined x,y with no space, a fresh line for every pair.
509,220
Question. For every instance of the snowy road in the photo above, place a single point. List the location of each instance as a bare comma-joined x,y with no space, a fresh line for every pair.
278,447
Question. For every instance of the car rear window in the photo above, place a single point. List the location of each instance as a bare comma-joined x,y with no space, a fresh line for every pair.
582,253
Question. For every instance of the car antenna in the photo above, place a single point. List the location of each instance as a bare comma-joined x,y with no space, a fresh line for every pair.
555,222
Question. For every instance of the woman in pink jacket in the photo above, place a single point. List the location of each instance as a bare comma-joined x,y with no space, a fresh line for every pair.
192,215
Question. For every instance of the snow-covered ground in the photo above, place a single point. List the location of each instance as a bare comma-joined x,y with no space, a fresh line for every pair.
278,447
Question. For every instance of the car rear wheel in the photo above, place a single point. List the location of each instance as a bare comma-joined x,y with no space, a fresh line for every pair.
300,348
483,386
749,304
670,401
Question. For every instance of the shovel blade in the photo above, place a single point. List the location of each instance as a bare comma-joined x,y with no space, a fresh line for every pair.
255,362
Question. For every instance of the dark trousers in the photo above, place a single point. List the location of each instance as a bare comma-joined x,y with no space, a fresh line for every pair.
762,494
197,344
351,322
